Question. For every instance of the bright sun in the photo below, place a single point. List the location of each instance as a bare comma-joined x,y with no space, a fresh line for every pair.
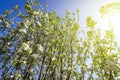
115,20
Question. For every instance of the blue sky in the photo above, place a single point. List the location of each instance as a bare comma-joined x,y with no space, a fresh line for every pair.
87,7
8,4
58,5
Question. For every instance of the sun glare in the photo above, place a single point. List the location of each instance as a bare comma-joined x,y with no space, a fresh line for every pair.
115,20
111,20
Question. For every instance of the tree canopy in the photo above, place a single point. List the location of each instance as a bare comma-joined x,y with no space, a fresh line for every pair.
40,45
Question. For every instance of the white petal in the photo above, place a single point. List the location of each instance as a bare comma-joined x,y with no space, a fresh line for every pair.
22,31
25,46
40,48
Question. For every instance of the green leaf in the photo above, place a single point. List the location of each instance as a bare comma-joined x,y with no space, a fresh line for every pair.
90,22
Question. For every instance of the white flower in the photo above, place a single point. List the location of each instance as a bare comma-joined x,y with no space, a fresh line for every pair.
26,25
40,48
24,62
30,42
38,23
35,55
36,12
25,46
8,43
31,70
11,76
53,59
46,15
65,76
23,31
7,24
69,68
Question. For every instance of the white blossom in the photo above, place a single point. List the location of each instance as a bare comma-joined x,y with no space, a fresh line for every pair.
30,42
26,25
46,15
40,48
35,55
24,62
25,46
23,31
65,76
38,23
31,70
53,59
36,12
8,43
69,68
11,76
7,24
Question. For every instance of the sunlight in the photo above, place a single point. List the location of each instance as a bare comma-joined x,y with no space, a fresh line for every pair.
111,19
115,19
